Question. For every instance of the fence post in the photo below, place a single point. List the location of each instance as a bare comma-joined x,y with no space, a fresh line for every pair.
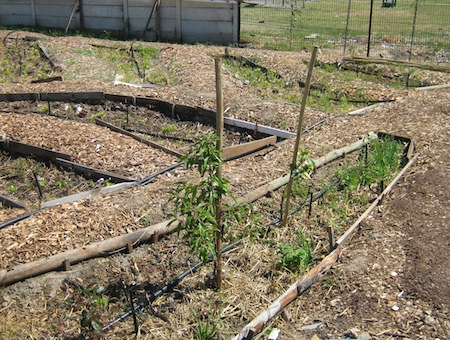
370,28
33,13
416,5
346,24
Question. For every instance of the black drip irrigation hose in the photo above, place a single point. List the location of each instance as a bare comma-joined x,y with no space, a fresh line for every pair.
149,179
171,285
19,218
160,136
144,181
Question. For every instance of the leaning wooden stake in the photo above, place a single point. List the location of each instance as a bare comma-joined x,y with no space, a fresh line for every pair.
219,131
299,287
299,133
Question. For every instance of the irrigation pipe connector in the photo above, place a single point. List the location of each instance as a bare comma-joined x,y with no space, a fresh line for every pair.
299,287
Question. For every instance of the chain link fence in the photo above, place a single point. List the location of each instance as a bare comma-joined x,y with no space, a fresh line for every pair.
347,24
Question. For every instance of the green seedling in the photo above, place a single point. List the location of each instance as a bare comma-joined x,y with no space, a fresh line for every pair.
297,256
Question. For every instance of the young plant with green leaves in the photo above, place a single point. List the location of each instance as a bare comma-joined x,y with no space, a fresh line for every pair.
195,204
295,256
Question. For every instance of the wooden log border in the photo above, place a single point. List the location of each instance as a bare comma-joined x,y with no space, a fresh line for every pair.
302,285
171,110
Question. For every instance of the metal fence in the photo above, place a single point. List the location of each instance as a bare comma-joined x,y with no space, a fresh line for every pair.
347,24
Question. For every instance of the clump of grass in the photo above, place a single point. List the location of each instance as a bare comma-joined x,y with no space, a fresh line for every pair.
254,76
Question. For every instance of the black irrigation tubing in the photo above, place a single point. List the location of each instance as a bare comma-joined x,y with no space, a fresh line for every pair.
145,181
306,130
19,218
167,288
159,135
149,179
171,285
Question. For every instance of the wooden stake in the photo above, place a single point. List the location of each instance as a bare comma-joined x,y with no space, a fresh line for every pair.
299,133
331,238
66,265
219,130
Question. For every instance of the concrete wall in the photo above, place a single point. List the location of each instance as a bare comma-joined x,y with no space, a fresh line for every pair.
215,21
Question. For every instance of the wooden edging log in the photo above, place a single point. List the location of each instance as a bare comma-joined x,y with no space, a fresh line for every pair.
434,87
300,286
136,137
438,68
31,269
318,162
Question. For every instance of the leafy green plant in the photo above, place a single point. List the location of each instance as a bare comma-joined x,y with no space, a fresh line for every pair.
301,173
207,330
195,203
12,189
297,256
90,302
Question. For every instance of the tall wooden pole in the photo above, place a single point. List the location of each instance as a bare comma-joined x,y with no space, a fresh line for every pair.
299,133
219,131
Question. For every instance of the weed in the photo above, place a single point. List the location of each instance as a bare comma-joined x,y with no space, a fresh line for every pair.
207,330
12,189
345,105
295,257
98,115
167,129
61,184
254,76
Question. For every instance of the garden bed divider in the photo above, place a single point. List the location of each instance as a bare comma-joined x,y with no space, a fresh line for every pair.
31,269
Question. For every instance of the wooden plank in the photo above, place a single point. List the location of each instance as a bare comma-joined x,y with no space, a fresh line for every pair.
119,98
73,96
259,128
242,149
87,194
10,203
91,173
31,150
12,97
138,138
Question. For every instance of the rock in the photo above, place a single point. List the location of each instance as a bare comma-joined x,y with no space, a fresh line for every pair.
429,320
364,336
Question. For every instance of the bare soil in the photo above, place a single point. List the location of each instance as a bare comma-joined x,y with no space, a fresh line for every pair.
391,282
